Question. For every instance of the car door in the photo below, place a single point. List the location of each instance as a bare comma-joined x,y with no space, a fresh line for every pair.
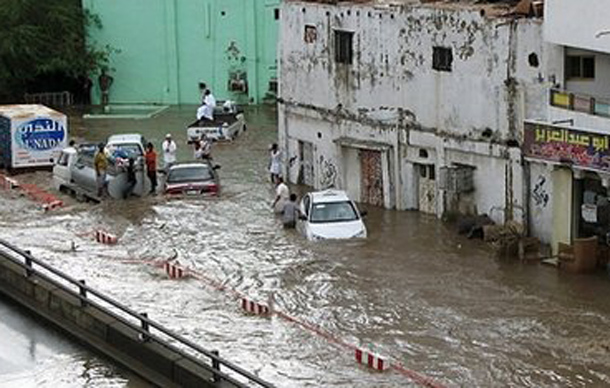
61,170
83,174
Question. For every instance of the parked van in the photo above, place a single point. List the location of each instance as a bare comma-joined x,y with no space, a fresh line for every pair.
74,170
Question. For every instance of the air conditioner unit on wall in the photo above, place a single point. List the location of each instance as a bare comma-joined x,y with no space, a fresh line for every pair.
457,179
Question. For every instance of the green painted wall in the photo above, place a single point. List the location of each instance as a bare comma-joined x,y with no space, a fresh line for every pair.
168,46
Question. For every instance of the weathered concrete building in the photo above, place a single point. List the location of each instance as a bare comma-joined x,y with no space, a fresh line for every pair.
567,153
412,106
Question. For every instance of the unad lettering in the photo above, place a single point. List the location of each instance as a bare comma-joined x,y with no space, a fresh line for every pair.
42,144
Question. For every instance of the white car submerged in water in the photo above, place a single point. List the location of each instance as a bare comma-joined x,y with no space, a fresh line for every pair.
330,214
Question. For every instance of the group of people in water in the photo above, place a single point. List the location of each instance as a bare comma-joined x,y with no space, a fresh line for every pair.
285,203
202,150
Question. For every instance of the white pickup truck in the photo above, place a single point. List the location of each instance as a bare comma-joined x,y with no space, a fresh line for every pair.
74,171
228,123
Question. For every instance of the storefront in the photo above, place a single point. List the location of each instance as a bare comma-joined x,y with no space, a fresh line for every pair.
569,183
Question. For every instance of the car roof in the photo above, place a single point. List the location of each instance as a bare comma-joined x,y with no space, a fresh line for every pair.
125,138
330,195
189,165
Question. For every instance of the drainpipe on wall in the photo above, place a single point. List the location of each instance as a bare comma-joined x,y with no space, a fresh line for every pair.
252,49
527,185
171,93
441,160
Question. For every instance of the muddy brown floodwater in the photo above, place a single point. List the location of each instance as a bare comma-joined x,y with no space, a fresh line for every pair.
414,290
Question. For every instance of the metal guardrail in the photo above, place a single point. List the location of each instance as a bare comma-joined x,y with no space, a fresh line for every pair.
51,99
144,325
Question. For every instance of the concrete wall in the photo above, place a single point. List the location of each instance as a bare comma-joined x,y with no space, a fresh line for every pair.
576,23
158,364
168,46
562,203
392,95
392,73
581,120
541,201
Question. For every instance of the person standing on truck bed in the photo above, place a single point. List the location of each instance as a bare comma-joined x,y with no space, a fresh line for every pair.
202,88
205,112
100,163
209,99
169,152
151,167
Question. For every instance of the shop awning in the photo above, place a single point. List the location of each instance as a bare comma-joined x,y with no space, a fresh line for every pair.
364,144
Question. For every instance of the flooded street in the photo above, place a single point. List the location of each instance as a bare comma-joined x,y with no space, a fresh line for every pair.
413,291
35,356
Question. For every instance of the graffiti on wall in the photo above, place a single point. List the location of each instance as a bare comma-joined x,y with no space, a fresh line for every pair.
328,173
539,193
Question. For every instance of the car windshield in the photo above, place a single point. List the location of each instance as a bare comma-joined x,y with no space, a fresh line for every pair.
333,212
126,150
190,174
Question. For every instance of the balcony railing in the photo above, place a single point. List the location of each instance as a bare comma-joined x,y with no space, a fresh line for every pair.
580,103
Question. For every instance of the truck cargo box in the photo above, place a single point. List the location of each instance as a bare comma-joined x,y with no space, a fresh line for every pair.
31,135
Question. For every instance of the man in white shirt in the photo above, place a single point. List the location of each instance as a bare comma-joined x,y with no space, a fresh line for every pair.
169,152
209,99
205,111
282,195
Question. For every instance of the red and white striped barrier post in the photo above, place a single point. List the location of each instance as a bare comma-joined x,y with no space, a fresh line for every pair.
255,308
372,360
8,183
105,237
174,271
52,205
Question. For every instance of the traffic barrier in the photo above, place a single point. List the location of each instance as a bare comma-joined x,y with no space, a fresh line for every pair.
53,205
8,183
49,201
369,359
174,270
372,360
254,307
105,237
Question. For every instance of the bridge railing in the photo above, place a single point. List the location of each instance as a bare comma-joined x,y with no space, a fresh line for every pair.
148,329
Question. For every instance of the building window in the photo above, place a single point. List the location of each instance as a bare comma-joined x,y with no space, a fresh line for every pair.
276,13
344,52
311,34
579,66
442,58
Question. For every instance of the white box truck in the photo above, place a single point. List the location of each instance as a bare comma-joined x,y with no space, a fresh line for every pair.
31,135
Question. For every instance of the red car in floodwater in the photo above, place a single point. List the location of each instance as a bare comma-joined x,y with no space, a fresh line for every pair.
192,179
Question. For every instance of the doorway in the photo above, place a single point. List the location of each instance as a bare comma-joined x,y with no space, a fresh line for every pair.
305,163
372,177
427,188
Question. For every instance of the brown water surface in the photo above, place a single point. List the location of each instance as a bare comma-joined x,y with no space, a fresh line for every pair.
414,290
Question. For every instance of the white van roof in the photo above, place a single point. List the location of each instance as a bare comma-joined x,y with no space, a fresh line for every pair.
128,138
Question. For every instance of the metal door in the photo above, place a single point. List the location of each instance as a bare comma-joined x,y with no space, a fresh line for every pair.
371,173
427,188
306,163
